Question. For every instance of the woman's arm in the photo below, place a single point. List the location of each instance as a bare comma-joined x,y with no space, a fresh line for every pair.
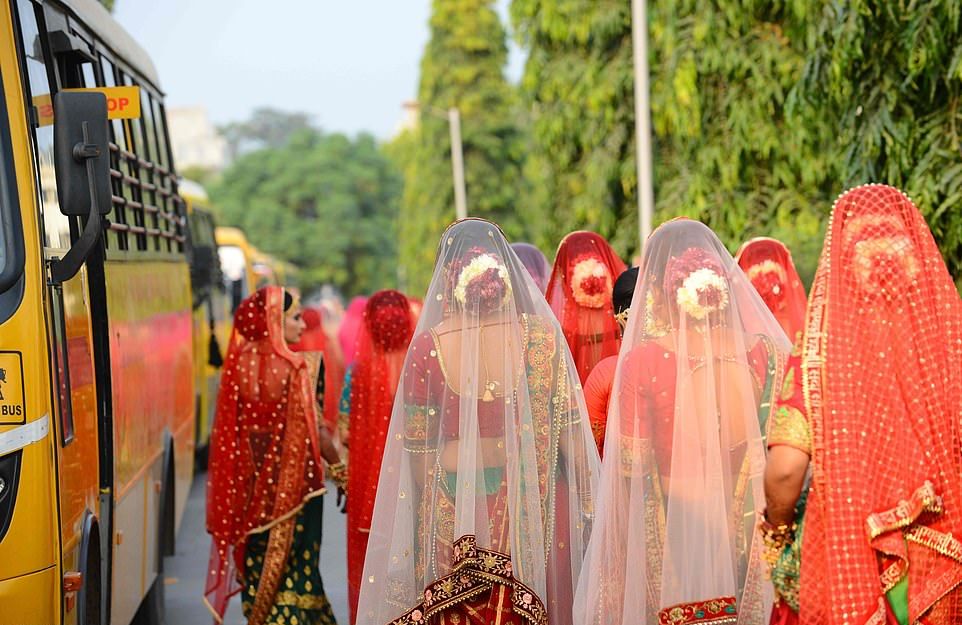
784,479
328,450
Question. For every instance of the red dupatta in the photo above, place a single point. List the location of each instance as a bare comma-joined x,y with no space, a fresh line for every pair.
382,345
315,339
883,388
579,292
769,266
264,461
350,328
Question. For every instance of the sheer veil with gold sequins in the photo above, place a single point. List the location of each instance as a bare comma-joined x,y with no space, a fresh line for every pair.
684,453
484,501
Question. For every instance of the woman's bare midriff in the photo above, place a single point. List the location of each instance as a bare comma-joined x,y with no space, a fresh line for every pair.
491,449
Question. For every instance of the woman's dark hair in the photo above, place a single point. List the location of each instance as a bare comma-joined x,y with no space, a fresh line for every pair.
288,300
624,289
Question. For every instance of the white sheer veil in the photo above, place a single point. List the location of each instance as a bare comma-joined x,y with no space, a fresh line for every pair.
487,479
684,450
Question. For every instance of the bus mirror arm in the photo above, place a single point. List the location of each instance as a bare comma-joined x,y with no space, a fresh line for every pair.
67,267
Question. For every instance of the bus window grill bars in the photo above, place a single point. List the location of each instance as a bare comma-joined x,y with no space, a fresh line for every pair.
172,222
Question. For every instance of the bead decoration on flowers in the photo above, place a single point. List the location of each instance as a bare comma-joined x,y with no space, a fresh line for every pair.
590,282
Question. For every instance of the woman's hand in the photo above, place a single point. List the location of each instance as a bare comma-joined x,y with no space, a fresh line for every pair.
338,474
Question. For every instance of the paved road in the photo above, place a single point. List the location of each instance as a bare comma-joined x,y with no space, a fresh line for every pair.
186,569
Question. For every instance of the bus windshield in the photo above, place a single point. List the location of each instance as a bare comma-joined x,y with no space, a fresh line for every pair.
11,236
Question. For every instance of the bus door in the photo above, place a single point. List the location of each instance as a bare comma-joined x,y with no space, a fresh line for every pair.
82,473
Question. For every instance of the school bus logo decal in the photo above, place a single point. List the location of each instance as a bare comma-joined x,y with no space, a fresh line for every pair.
13,410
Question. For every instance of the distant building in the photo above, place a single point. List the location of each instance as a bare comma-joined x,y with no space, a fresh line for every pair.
195,140
410,117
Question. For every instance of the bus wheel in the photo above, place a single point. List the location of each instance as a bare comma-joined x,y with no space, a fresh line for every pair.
90,608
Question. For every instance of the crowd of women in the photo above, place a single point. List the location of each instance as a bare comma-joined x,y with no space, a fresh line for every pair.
768,456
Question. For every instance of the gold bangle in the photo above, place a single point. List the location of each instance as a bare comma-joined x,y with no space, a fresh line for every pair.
775,538
338,474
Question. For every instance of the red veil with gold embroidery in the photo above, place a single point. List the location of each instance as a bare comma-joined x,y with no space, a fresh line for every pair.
315,339
264,461
769,266
386,332
883,387
579,293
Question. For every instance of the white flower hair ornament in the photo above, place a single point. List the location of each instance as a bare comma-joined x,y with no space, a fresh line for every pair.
483,281
591,282
696,278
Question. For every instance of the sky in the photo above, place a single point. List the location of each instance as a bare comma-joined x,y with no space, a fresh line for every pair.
348,63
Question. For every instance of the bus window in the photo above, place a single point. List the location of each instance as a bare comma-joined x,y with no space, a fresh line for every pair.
119,215
11,233
56,226
135,143
233,264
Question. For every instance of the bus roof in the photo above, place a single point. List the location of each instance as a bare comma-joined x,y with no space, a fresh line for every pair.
92,14
194,193
226,235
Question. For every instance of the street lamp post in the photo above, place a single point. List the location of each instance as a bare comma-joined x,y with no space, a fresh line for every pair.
453,117
457,164
646,195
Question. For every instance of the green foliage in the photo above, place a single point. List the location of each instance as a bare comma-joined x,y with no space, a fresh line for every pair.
204,176
726,153
266,128
462,67
887,76
578,84
723,150
324,202
108,4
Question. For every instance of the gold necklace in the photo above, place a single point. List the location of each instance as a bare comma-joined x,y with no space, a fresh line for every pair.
490,386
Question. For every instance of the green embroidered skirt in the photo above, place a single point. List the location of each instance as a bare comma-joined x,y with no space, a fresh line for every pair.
300,598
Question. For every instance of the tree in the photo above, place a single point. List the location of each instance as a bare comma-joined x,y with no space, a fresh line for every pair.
108,4
577,82
324,202
724,151
267,128
889,80
462,67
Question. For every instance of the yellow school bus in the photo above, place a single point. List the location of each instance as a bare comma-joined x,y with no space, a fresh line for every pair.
237,263
212,311
96,358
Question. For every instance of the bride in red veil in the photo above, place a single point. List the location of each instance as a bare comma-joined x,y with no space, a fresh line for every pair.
382,344
265,476
579,293
769,265
872,407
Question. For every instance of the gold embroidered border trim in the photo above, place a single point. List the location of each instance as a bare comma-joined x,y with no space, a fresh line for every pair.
304,602
906,512
945,544
476,571
715,611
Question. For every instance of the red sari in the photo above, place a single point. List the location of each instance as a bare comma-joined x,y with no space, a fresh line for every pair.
350,329
769,266
883,391
315,339
264,463
382,345
579,292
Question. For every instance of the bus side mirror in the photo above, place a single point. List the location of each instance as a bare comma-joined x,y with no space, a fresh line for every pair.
82,158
